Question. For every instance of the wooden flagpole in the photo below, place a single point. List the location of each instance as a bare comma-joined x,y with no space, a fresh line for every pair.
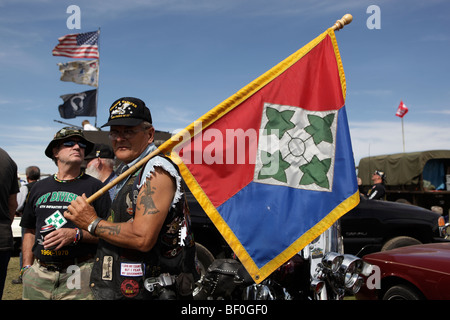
173,141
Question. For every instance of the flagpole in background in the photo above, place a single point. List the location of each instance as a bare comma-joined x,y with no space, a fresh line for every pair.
401,111
98,78
79,45
403,136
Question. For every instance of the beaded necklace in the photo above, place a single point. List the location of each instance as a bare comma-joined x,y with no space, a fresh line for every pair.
70,180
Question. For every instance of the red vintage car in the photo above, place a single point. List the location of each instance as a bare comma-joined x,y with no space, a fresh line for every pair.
419,272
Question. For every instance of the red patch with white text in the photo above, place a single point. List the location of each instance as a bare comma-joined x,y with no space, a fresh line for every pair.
129,288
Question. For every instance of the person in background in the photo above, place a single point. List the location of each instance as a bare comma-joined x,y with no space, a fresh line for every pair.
87,126
100,164
378,190
33,174
9,187
50,259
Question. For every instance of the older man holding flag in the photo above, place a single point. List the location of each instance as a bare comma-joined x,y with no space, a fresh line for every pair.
298,176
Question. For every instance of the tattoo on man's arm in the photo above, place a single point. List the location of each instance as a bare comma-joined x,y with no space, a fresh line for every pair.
147,200
113,230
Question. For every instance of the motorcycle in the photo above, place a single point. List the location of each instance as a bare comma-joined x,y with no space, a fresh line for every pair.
320,271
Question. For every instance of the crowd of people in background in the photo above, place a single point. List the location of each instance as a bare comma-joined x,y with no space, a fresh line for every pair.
112,242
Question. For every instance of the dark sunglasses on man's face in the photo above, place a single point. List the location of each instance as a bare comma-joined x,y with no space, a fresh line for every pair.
71,143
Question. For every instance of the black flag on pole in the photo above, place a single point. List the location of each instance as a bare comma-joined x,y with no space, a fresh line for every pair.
83,104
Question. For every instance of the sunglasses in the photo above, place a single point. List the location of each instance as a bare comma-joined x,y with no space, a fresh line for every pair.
71,143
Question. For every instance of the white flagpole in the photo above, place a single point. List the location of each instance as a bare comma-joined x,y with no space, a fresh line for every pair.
403,136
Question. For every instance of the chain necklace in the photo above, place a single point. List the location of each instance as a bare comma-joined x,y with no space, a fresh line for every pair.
70,180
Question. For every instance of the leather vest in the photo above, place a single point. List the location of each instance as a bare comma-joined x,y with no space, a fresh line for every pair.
119,273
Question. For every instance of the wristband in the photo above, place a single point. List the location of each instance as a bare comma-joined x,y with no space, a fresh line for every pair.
91,228
24,268
77,237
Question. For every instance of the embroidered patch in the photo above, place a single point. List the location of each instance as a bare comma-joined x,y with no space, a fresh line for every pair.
129,205
107,268
131,270
182,235
129,288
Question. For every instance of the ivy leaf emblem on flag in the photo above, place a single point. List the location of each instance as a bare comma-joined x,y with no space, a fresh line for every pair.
320,128
273,166
315,172
296,147
279,122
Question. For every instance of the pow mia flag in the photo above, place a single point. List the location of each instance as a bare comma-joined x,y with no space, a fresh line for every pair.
83,104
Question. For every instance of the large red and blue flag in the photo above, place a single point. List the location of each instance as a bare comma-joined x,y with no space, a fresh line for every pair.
272,165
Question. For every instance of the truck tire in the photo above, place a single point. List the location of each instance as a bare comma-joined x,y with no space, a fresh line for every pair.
402,292
401,241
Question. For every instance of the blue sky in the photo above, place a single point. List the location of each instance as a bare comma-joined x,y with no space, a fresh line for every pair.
183,57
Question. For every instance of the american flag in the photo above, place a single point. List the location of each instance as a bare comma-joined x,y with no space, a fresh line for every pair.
78,45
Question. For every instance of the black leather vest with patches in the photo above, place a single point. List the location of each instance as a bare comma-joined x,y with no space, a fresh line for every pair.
119,273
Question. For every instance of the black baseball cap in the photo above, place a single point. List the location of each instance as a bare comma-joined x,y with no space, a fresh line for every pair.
128,111
100,150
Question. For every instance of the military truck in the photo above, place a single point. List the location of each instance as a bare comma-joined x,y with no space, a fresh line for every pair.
418,178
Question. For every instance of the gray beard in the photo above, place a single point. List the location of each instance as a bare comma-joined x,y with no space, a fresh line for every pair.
93,172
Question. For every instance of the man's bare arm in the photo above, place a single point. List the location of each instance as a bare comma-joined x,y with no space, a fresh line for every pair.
153,204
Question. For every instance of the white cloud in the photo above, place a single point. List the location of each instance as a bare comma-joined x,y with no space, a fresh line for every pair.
28,154
384,137
444,112
26,145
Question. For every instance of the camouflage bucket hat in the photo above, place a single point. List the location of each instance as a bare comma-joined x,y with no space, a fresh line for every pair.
65,133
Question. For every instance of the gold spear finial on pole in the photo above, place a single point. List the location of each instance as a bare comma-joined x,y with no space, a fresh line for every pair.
346,19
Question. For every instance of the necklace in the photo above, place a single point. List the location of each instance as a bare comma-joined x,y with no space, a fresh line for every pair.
70,180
